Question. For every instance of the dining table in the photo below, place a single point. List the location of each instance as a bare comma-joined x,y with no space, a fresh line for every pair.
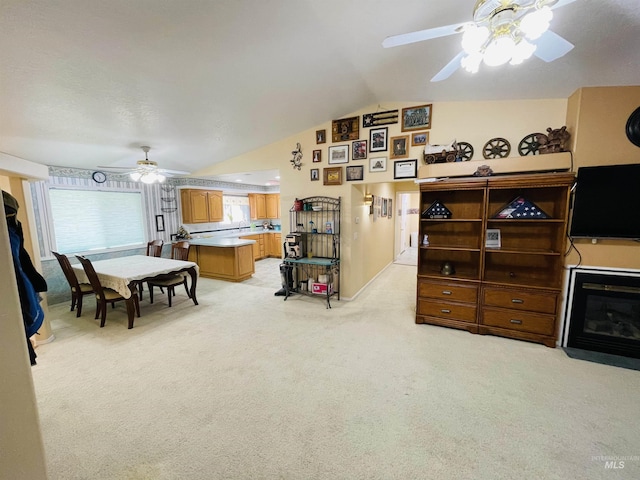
124,274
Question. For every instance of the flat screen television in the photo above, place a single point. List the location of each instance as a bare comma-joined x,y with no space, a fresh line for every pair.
606,202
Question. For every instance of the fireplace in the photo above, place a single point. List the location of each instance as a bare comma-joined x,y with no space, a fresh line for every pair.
603,313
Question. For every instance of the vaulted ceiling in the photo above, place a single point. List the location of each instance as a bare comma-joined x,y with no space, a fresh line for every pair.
87,82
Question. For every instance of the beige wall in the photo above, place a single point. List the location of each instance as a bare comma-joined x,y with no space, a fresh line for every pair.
21,447
363,257
597,117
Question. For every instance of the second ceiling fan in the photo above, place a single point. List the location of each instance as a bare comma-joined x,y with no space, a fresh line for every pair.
146,170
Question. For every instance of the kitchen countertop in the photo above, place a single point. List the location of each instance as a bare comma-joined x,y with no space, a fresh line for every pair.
220,242
231,239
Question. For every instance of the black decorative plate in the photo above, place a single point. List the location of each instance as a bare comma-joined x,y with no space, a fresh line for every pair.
633,127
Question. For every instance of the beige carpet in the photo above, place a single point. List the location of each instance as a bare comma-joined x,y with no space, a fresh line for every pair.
248,386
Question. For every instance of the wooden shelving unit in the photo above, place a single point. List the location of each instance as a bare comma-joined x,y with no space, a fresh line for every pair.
512,290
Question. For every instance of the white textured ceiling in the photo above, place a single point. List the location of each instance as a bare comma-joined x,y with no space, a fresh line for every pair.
87,82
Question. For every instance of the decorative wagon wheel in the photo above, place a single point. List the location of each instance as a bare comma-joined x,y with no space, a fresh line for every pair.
496,148
450,157
465,151
429,158
529,145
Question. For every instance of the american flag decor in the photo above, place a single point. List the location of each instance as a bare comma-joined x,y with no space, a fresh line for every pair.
436,210
521,209
379,118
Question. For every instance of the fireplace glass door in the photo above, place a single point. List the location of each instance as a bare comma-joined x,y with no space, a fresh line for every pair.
605,314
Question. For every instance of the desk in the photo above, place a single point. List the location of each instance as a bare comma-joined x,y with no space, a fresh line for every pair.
123,274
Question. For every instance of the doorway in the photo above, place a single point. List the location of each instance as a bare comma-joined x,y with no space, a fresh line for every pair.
407,226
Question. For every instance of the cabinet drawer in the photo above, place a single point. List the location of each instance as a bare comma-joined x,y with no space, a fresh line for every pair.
520,300
465,313
456,293
518,320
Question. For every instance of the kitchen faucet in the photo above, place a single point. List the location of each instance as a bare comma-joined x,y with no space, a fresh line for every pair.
242,223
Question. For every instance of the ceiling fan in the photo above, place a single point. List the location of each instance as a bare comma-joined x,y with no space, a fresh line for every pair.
501,31
147,171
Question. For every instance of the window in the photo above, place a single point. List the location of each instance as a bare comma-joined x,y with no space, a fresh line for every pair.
86,220
236,209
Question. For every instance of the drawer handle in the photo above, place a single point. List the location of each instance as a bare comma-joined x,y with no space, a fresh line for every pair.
517,322
445,310
516,300
446,292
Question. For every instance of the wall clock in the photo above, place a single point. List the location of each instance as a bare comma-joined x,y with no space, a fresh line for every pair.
99,177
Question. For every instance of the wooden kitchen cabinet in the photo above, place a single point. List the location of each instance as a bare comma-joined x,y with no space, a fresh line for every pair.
272,205
264,206
225,263
201,206
276,250
512,290
258,247
257,206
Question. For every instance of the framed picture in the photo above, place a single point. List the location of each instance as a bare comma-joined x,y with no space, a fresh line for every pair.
493,239
345,129
339,154
419,138
384,207
378,164
389,208
359,150
321,136
317,156
405,169
159,223
400,147
355,172
378,138
332,176
315,174
416,118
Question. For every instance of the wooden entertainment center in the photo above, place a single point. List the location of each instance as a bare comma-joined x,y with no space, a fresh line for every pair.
509,284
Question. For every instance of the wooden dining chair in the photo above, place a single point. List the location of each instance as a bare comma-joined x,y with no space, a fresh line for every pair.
154,249
179,251
78,290
108,295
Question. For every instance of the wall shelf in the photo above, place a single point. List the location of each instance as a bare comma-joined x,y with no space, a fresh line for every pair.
529,164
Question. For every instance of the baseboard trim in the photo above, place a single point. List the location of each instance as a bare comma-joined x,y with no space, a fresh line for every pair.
364,287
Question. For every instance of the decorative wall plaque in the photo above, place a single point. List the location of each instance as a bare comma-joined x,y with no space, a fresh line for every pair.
379,118
345,129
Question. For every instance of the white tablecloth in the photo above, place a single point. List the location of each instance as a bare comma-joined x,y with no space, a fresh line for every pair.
118,273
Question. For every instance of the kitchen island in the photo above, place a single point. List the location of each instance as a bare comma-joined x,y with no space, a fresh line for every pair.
224,258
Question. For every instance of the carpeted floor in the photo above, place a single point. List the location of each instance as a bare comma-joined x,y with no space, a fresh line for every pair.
248,386
408,257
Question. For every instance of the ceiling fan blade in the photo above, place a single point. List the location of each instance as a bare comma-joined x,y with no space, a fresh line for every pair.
449,68
172,172
422,35
562,3
551,46
119,169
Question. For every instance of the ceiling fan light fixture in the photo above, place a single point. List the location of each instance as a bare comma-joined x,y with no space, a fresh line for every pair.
471,63
135,176
523,51
535,23
474,38
499,51
149,178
